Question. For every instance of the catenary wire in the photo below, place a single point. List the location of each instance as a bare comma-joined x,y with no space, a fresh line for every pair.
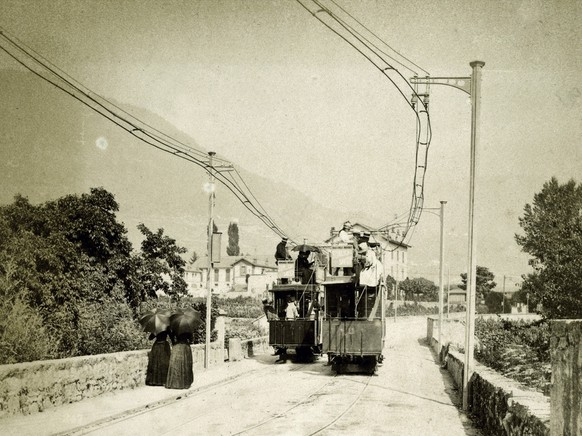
134,130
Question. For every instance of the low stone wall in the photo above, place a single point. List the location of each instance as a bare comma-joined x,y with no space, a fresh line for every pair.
36,386
566,388
252,347
241,349
499,405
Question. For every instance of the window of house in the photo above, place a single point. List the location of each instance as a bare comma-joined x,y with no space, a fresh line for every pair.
243,270
227,272
216,275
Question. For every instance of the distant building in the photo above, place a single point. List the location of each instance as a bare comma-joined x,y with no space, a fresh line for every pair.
457,296
232,276
395,253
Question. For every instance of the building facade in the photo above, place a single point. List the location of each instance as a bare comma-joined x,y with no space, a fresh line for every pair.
394,253
233,274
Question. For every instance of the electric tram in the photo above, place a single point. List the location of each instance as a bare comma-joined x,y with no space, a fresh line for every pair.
338,315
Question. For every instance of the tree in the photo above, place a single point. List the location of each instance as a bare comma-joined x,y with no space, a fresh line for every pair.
193,258
233,249
484,282
56,255
419,289
552,235
162,267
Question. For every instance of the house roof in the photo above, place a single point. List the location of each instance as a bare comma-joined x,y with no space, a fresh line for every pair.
262,261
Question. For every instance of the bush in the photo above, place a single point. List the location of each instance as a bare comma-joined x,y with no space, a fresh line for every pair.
241,307
516,349
414,309
23,336
243,329
108,327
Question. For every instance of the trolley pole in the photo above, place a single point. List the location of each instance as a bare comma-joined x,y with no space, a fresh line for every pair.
209,250
472,86
441,276
472,249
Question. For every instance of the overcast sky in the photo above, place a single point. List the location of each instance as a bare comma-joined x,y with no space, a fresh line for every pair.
267,86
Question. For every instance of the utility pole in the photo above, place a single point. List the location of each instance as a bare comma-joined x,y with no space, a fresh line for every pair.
472,86
503,294
448,291
472,249
210,265
441,275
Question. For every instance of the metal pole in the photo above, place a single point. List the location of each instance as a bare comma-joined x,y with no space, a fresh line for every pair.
503,294
449,291
209,250
472,261
441,275
395,299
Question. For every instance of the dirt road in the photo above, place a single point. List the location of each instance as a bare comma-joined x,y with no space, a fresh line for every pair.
409,395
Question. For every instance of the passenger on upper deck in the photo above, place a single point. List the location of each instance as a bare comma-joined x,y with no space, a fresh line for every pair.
281,252
345,234
304,271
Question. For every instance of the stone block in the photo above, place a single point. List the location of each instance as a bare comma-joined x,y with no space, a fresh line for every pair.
234,350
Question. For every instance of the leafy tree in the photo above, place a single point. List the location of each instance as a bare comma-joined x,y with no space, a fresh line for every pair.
162,267
494,302
69,281
484,282
193,258
233,249
419,289
552,235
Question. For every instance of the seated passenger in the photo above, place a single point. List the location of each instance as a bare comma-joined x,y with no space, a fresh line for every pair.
303,265
281,252
345,234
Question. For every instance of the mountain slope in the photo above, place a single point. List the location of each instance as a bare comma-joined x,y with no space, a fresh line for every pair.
52,145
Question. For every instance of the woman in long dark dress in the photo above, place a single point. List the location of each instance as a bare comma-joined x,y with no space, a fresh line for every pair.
180,373
158,360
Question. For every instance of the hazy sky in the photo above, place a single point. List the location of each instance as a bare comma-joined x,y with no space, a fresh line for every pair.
267,86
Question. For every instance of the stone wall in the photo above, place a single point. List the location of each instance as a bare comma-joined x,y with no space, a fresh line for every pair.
499,405
36,386
241,349
566,388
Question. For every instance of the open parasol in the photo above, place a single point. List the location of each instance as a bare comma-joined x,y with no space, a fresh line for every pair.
155,321
185,321
306,247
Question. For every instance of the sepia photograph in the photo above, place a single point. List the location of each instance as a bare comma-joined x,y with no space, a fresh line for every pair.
291,217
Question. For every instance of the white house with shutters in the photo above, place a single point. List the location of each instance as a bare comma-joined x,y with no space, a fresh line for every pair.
232,276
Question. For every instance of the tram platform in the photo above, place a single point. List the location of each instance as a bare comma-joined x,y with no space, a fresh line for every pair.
78,418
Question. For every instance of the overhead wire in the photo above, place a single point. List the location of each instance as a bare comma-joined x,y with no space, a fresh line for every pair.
385,43
417,200
136,127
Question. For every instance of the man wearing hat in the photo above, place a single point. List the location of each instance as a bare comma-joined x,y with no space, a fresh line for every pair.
281,252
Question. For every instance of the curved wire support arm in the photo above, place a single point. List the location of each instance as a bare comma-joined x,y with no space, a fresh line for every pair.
462,83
